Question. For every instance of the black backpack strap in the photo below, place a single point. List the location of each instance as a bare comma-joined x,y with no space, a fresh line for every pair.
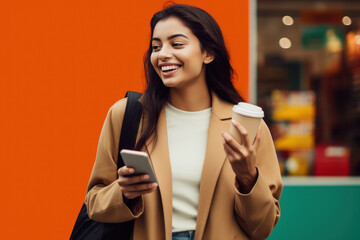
130,125
88,229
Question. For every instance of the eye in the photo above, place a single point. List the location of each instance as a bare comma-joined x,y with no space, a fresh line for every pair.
155,48
177,44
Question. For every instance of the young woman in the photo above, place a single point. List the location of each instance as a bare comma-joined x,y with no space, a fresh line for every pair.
210,186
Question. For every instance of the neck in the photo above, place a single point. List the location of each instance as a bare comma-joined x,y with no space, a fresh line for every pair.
191,99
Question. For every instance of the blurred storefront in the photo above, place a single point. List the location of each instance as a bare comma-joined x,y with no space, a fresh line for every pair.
308,81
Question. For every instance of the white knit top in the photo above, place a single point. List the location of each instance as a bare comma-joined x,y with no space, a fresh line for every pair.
187,138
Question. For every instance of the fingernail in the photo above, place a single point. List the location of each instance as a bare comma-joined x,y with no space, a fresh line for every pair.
226,135
131,170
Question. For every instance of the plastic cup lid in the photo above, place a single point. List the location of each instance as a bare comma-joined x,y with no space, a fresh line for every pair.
248,110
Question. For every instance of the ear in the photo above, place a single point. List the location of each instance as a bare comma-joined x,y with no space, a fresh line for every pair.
208,58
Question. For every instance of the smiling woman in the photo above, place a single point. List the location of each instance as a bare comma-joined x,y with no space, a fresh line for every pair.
179,60
209,185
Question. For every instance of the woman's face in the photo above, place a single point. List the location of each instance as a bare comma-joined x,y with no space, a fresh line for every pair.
177,56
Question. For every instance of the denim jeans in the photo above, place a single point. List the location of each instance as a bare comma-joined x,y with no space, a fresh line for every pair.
186,235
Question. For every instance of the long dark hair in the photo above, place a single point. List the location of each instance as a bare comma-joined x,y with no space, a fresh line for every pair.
218,73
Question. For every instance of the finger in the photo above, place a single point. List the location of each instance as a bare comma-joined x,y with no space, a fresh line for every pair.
128,180
235,145
227,150
243,132
257,140
231,155
123,171
233,148
139,187
132,195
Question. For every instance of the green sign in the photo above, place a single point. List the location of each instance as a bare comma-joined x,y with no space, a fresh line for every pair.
319,37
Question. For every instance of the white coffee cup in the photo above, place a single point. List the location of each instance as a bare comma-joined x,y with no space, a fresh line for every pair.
249,116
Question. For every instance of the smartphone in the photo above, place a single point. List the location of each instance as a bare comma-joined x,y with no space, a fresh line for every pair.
140,162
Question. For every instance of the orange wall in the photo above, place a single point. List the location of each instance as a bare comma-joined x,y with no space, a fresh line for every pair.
63,64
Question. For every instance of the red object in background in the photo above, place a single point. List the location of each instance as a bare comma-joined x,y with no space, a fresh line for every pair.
331,160
315,17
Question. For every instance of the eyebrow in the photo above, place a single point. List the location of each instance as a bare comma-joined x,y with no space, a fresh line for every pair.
170,37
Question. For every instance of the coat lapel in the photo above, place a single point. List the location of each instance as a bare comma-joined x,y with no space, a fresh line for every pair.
159,154
214,159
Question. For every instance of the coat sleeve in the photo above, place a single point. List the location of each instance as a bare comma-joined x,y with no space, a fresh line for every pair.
104,199
258,211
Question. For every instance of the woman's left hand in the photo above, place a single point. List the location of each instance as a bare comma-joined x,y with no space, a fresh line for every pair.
242,157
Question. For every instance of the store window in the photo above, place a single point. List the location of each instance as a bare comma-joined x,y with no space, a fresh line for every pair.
308,81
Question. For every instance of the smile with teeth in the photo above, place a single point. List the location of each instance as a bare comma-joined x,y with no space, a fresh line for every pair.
169,68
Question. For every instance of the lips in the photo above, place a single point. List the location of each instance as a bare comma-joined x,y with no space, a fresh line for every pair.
169,69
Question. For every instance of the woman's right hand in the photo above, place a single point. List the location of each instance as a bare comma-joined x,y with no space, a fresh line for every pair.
134,186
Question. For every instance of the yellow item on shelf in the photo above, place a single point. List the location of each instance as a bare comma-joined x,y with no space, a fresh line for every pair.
294,113
297,166
294,142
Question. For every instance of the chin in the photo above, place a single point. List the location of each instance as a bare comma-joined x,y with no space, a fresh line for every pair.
170,84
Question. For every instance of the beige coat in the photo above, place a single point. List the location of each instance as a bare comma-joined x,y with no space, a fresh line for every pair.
223,213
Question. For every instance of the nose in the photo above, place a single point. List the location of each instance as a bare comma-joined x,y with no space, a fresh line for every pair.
164,53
